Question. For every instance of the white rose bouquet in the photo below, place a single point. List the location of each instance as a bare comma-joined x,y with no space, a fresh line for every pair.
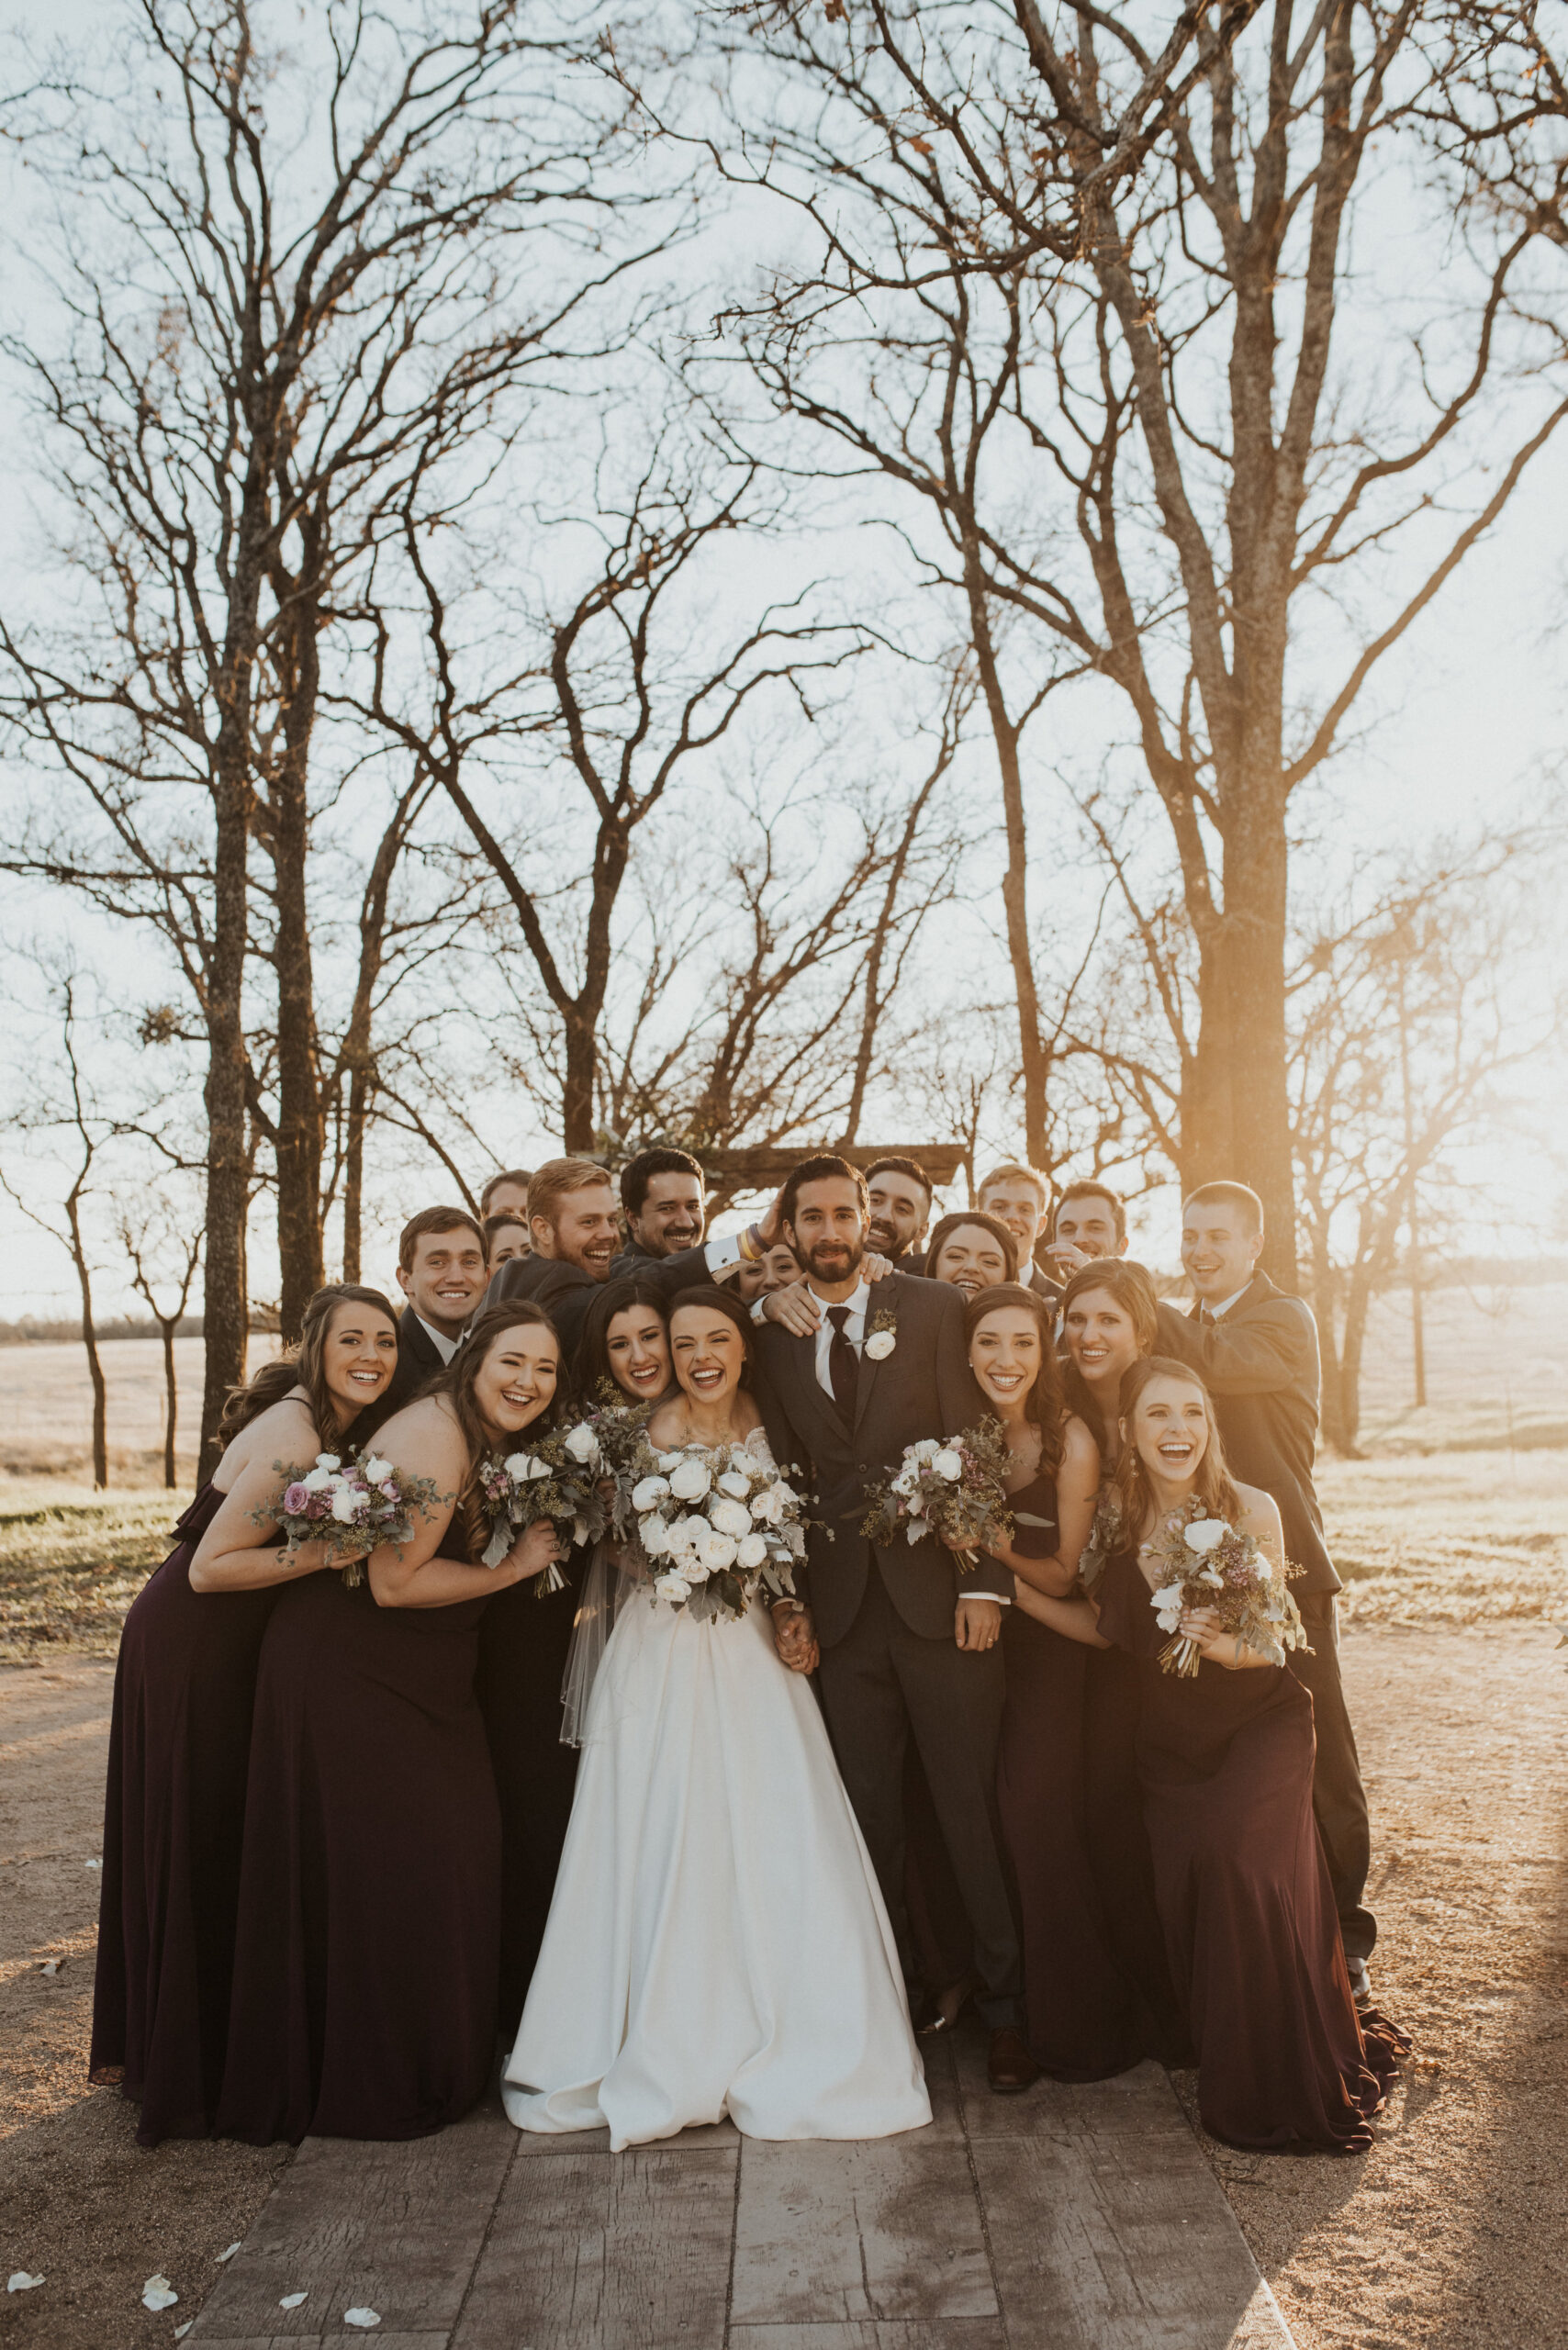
715,1527
1204,1563
954,1489
559,1478
352,1507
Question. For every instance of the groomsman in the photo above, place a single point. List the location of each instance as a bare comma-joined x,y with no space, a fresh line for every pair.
1090,1222
903,1647
506,1195
441,1271
663,1200
1020,1198
1257,1349
575,1223
898,1192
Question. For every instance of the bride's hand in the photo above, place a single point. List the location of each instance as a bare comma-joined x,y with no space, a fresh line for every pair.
795,1639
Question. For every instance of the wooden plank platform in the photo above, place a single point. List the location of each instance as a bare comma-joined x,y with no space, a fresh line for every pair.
1072,2219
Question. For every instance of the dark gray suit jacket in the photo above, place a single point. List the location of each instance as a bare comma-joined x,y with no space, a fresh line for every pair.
564,1291
925,1388
1261,1364
417,1359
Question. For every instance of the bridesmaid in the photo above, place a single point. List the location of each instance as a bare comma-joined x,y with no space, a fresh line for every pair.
1109,1320
622,1356
1225,1761
972,1252
1080,2014
364,1973
181,1732
624,1345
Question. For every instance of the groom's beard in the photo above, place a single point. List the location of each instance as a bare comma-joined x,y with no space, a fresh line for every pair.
833,1260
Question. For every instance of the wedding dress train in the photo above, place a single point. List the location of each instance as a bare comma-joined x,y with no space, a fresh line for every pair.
717,1943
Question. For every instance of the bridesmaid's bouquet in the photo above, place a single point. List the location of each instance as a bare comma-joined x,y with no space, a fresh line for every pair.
954,1489
1206,1564
715,1527
559,1478
1105,1536
350,1506
620,1430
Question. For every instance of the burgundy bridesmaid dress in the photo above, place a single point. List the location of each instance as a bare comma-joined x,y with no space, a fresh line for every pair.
174,1814
369,1925
1075,1841
1226,1763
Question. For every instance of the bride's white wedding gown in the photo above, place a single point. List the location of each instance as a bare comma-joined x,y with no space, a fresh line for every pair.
717,1943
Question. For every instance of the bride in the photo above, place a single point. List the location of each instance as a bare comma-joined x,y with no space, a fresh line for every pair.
717,1943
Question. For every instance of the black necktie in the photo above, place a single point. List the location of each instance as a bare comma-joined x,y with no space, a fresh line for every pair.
842,1363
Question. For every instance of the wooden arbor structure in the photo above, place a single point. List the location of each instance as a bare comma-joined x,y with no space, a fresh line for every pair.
762,1166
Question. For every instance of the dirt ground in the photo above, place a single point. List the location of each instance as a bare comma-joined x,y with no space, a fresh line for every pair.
1453,2232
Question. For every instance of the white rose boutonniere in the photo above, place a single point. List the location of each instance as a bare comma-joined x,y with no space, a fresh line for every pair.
881,1337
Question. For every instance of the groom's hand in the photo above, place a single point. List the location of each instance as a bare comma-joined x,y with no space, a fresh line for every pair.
977,1622
795,1639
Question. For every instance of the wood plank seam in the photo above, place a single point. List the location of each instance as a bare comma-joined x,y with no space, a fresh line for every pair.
980,2203
485,2239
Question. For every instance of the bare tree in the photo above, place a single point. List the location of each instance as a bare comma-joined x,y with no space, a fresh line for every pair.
145,1241
1406,1017
287,277
1182,464
630,687
64,1107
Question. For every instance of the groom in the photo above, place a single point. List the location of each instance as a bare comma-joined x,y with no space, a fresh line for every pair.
903,1646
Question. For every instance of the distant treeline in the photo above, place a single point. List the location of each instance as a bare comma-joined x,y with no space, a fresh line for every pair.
34,1330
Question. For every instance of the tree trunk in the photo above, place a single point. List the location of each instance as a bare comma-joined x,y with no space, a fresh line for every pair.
228,1151
1236,1122
90,1340
300,1127
354,1170
578,1093
171,1401
1032,1058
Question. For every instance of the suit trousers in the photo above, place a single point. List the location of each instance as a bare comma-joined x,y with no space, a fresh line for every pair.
880,1682
1338,1799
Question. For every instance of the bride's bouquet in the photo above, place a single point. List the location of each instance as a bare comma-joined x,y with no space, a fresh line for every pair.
954,1489
1204,1563
350,1506
559,1478
715,1527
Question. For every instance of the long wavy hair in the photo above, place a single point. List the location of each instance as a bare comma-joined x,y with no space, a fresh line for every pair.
1134,1293
1043,1407
1213,1485
456,1383
303,1366
591,1369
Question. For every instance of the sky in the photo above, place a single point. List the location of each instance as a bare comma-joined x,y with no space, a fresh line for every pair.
1465,722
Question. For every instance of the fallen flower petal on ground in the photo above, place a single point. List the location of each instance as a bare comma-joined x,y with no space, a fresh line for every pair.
20,2282
362,2317
158,2294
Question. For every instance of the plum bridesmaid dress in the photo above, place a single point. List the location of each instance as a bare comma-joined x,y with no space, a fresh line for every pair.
173,1816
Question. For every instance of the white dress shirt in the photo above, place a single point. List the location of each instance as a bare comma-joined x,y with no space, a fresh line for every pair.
1215,1313
854,1330
446,1348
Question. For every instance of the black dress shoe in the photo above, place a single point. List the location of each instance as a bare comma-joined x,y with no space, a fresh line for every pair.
1010,2068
